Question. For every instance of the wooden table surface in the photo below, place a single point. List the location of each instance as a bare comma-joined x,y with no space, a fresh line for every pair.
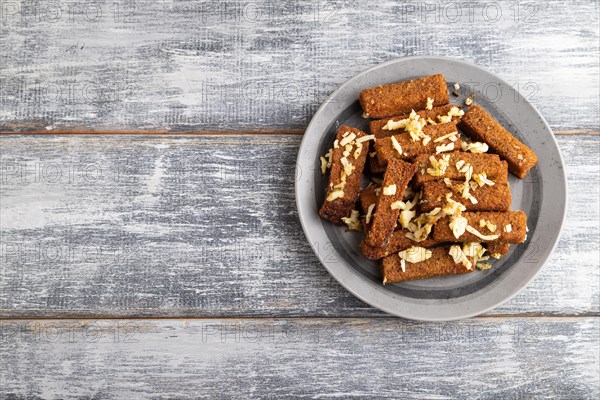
173,265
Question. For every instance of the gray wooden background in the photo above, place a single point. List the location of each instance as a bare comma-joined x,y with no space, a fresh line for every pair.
173,265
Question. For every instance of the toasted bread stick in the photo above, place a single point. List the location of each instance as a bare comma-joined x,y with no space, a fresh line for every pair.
489,198
376,126
402,97
511,227
480,126
397,242
343,188
368,196
375,166
497,248
441,263
410,148
490,164
395,181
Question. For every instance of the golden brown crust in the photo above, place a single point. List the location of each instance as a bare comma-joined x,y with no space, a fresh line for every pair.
397,242
368,196
375,167
495,169
398,173
441,263
489,198
411,148
339,208
402,97
480,126
516,219
497,247
376,126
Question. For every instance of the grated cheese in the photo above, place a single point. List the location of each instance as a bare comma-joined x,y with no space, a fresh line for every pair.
389,190
336,194
353,222
444,147
366,138
347,139
429,105
452,136
460,257
415,254
369,213
481,235
396,145
458,224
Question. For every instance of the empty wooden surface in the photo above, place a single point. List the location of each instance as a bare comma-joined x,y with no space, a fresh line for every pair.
174,266
181,65
207,226
481,358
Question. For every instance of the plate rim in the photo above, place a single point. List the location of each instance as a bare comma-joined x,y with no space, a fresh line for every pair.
389,308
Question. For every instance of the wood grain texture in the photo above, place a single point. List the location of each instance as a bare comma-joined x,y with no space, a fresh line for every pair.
501,358
206,65
87,131
207,226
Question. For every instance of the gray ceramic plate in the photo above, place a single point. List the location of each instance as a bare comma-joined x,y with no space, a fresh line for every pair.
542,196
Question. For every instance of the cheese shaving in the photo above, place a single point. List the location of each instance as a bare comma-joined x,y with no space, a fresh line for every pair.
323,165
347,150
458,225
358,150
347,139
444,147
366,138
369,213
480,235
474,249
438,167
353,222
389,190
348,168
482,179
414,125
396,145
429,105
398,205
460,257
452,136
454,112
415,254
336,194
474,147
406,216
483,266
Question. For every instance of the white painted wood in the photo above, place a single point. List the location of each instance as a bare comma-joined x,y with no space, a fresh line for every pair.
206,226
160,226
208,65
485,358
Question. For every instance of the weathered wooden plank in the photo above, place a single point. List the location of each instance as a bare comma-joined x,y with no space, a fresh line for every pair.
486,358
205,65
87,131
206,226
